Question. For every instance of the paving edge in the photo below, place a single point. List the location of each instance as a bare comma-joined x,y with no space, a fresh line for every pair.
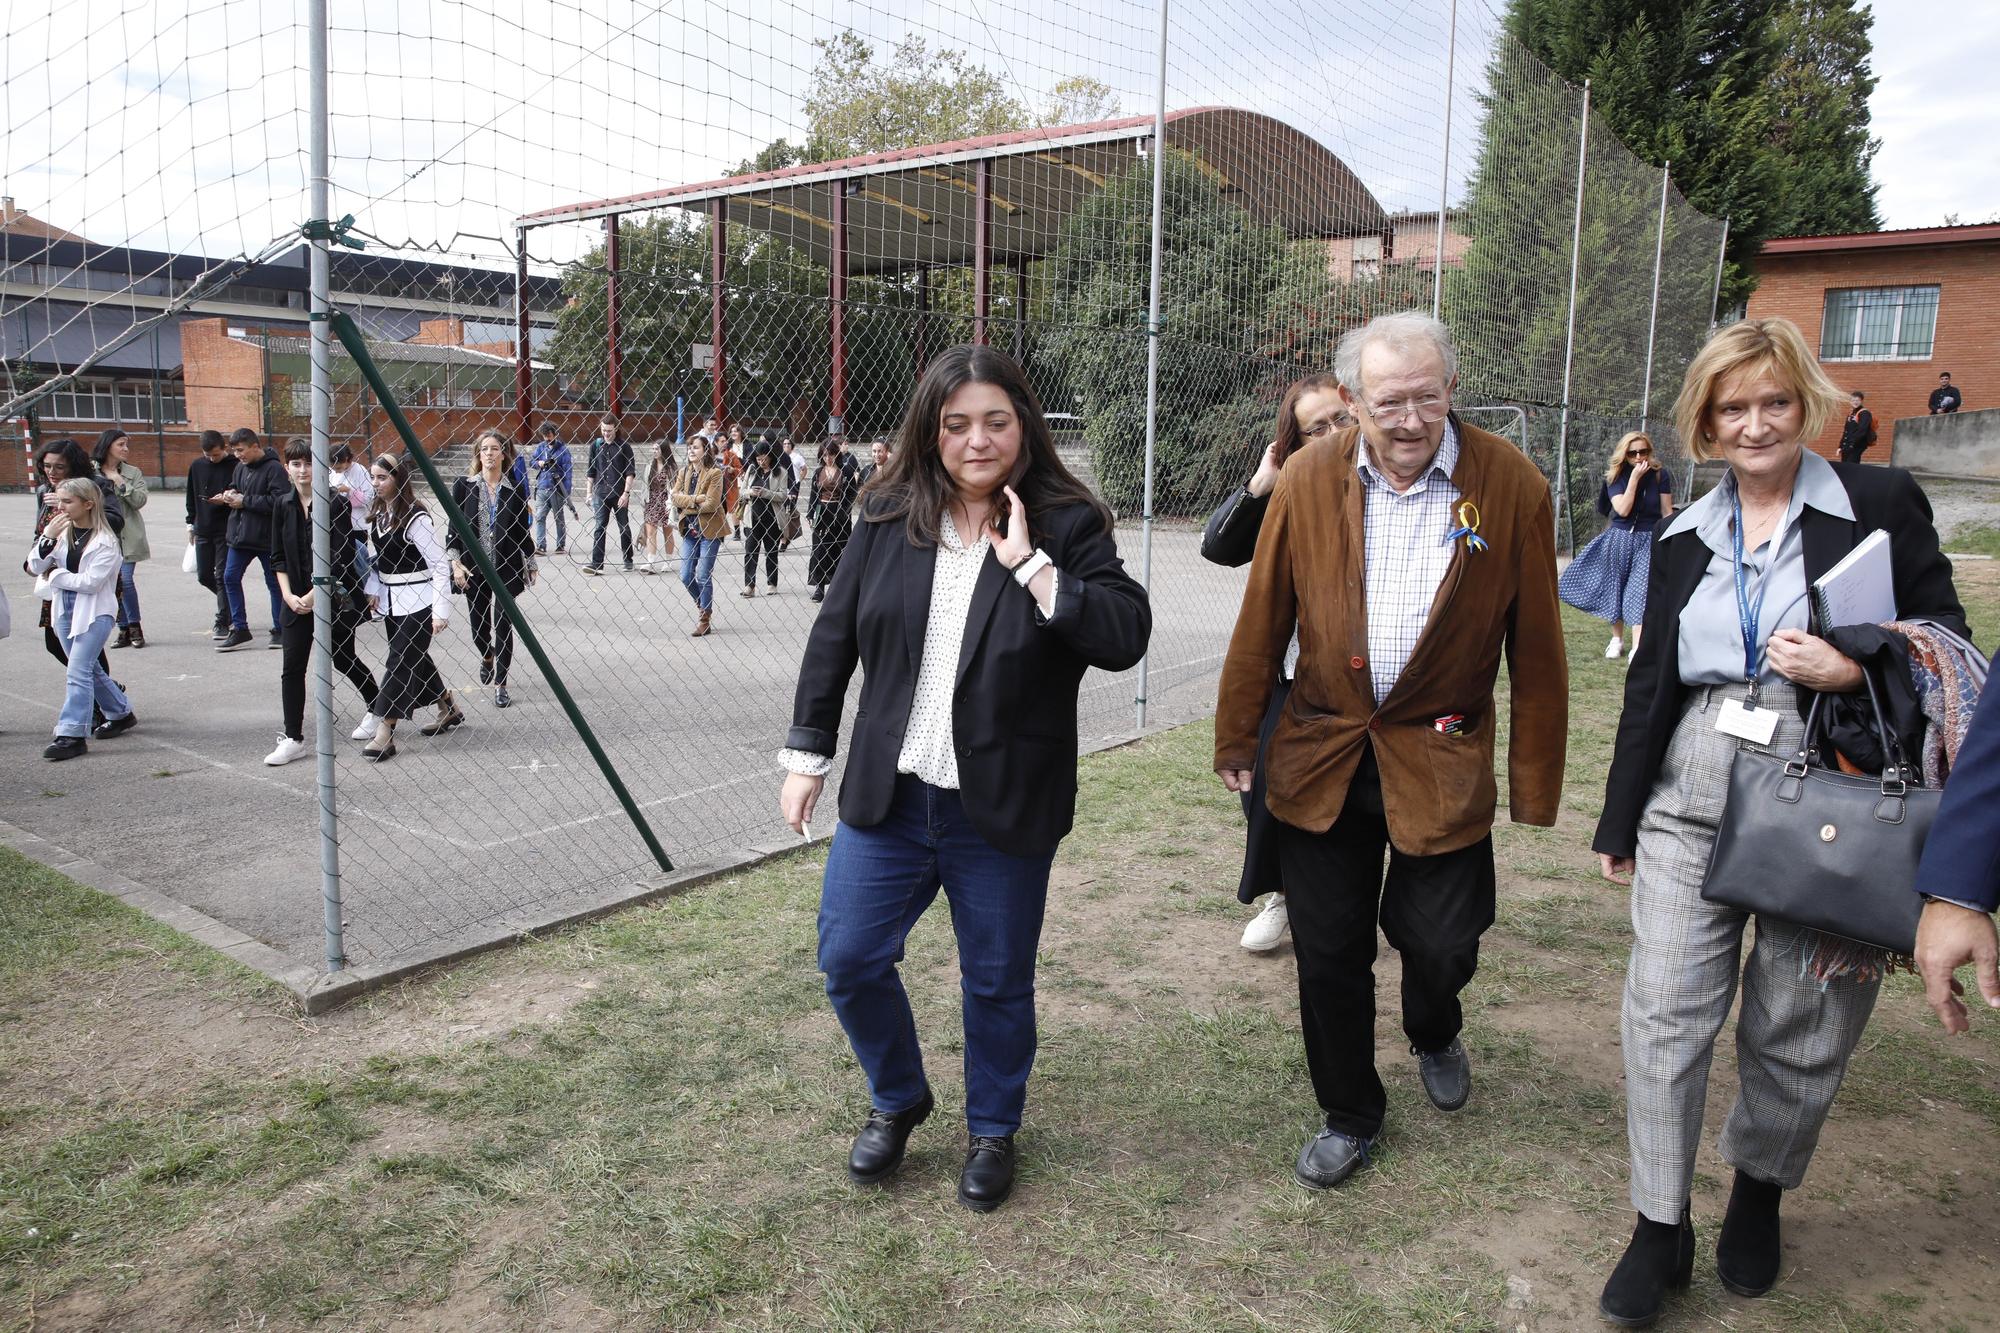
319,992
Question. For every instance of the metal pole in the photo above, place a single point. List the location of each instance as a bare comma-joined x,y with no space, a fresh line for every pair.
923,317
524,373
1444,174
718,301
1653,319
159,411
1153,346
836,421
982,246
1569,339
1715,296
613,353
322,496
1021,309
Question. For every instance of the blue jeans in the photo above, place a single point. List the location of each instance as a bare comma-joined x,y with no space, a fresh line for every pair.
85,683
879,880
551,501
698,568
128,596
232,582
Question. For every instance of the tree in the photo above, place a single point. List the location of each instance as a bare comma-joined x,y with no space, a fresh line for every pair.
1079,100
920,96
1821,88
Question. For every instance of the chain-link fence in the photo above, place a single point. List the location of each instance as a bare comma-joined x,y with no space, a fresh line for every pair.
756,222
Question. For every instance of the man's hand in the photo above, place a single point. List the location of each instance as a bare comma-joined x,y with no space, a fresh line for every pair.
1237,779
1948,937
1617,869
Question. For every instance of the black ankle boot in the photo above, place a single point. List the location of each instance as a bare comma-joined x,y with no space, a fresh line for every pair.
878,1148
1659,1259
1747,1252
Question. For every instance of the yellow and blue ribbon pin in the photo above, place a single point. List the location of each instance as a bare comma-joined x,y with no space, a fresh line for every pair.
1468,527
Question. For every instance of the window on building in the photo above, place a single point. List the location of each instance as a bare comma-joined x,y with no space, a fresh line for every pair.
1879,324
129,403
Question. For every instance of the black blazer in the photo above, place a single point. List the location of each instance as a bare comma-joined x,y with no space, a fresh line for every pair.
291,553
1882,497
513,537
1014,711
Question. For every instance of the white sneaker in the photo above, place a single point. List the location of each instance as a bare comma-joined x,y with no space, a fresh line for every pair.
288,750
1267,929
366,731
1616,648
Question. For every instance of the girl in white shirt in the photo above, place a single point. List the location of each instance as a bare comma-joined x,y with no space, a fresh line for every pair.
76,561
410,587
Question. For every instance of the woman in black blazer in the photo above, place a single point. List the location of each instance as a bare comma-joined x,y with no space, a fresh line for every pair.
497,507
1311,412
292,566
979,585
1728,624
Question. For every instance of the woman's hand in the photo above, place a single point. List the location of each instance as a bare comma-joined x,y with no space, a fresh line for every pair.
797,799
300,605
1266,475
438,626
56,527
458,575
1639,471
1808,660
376,603
531,577
1016,546
1617,869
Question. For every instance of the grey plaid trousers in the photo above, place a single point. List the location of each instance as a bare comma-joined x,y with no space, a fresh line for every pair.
1793,1038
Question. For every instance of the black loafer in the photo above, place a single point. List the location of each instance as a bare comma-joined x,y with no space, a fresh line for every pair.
486,671
1330,1157
502,699
988,1176
1447,1075
1749,1250
878,1148
116,726
66,747
1659,1259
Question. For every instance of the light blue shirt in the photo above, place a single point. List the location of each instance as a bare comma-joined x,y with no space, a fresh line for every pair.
1711,633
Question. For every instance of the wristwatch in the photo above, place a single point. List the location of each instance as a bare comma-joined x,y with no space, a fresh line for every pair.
1025,571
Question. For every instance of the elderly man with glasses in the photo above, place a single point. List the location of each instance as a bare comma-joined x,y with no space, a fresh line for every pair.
1408,552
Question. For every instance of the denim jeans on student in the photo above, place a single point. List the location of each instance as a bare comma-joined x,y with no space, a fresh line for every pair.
128,595
879,880
85,683
555,502
698,568
240,559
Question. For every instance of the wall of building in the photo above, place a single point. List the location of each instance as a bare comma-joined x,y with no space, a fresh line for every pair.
1967,343
1964,444
224,377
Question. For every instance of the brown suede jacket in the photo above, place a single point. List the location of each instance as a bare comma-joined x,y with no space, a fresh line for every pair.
1438,790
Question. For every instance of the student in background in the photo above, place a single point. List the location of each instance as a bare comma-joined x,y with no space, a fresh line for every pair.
610,477
291,565
553,477
208,524
411,589
128,483
497,507
256,489
75,562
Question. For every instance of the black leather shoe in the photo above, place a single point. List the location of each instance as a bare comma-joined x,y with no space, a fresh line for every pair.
1747,1253
988,1177
878,1148
1447,1075
1659,1259
66,747
1330,1157
117,726
486,671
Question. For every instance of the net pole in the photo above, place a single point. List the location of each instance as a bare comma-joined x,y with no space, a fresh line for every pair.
1444,169
1715,295
613,351
1653,318
322,496
524,370
1153,347
1569,339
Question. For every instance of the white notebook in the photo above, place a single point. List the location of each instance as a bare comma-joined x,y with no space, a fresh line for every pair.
1860,590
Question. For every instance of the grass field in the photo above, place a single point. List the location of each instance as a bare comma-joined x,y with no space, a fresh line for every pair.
642,1122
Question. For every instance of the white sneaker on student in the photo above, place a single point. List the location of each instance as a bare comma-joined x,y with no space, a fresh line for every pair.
1267,929
366,731
288,750
1616,648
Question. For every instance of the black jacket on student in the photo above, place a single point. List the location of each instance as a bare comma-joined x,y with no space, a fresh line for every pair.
1014,709
1886,498
513,531
292,553
209,521
265,487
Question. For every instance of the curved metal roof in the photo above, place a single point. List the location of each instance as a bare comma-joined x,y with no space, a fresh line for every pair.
916,206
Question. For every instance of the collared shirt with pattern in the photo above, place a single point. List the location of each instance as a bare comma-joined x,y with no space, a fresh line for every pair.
1407,552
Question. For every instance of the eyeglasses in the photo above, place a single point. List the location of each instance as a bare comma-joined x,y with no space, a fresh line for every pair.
1638,453
1429,409
1319,430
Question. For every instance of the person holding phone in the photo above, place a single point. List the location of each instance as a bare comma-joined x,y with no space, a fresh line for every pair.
834,483
983,582
766,491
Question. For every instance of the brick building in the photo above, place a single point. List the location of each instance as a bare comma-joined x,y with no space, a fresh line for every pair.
1887,311
1409,241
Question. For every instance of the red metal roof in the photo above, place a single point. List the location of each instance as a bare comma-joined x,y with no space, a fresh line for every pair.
1882,240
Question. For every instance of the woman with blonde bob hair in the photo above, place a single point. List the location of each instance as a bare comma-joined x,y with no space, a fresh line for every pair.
1608,576
1732,659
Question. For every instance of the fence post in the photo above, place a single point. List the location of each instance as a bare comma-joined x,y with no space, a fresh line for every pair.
1653,319
322,499
1153,347
613,353
1715,296
1444,172
1569,340
524,371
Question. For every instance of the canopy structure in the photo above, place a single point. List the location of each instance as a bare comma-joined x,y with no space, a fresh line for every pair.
1000,200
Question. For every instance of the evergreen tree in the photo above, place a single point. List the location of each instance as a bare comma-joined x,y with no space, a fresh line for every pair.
1821,87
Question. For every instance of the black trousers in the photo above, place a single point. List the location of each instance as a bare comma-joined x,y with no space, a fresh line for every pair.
210,553
1433,910
492,632
830,536
765,533
297,637
410,680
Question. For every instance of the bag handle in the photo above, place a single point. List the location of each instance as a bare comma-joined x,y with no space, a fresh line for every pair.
1895,774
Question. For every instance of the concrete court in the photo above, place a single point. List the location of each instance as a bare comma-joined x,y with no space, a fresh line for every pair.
505,821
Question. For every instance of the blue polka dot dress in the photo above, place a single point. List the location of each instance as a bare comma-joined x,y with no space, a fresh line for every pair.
1608,576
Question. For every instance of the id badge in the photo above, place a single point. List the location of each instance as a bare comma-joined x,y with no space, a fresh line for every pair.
1756,725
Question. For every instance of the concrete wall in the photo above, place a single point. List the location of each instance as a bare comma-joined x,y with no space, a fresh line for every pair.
1964,444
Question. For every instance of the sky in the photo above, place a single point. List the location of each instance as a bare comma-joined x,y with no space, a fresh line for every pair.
1932,111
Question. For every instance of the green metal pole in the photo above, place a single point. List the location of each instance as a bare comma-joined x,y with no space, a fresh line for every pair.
350,338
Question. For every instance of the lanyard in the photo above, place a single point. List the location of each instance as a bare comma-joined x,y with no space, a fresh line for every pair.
1749,613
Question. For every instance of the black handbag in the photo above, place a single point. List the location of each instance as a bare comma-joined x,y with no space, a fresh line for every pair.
1816,847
